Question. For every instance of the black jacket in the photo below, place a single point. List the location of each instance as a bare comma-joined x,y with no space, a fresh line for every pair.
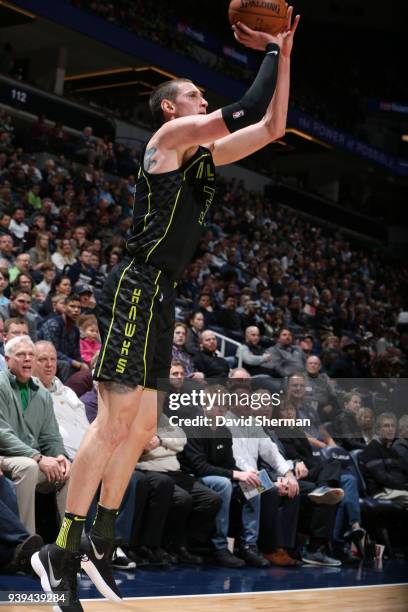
383,468
210,364
346,432
209,456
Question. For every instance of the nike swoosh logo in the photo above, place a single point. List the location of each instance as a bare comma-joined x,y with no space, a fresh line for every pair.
272,53
53,582
97,555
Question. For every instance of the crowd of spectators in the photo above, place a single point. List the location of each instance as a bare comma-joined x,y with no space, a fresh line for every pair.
307,312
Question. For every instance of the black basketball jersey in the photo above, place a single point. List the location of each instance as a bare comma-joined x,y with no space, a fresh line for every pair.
169,212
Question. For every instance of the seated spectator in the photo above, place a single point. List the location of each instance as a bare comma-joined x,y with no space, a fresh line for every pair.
16,544
40,254
347,364
286,357
22,265
345,429
64,255
194,506
81,271
252,446
210,458
90,342
401,444
229,319
296,396
17,226
207,361
16,326
7,249
180,354
86,149
4,281
385,472
5,219
62,331
87,299
44,287
254,357
60,285
195,327
33,452
365,421
205,306
320,390
19,306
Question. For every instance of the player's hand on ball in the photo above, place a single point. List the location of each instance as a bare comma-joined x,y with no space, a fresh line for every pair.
254,39
289,32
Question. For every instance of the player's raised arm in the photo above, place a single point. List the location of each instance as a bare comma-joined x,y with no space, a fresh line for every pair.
191,126
236,146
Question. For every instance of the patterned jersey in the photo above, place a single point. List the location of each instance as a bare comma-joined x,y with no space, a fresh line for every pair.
169,212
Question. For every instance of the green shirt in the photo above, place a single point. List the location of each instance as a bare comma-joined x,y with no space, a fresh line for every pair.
23,388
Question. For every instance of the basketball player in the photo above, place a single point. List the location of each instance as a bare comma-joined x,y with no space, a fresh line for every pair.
175,189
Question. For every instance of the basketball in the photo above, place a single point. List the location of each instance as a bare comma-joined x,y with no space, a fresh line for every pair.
263,15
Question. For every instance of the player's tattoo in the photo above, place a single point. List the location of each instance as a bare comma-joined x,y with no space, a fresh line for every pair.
148,162
116,387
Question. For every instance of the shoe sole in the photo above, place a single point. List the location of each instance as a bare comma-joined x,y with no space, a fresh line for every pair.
102,586
331,498
43,576
319,563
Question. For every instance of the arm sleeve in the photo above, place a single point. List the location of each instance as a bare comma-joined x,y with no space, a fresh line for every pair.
253,105
11,445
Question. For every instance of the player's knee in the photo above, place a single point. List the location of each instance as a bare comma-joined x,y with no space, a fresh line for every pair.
113,433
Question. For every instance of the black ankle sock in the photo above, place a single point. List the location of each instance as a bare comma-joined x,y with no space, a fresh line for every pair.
69,537
104,523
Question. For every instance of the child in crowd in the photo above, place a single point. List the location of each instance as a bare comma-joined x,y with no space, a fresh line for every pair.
90,339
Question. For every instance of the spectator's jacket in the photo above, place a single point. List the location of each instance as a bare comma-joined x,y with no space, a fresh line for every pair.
181,355
319,389
81,382
164,457
90,401
30,318
70,414
78,273
66,341
192,343
383,468
210,455
25,434
250,444
345,431
253,358
210,364
401,447
287,360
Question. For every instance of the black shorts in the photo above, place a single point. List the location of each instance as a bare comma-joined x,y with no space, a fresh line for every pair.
136,323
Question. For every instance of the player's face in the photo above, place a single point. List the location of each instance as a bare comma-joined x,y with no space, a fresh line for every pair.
189,101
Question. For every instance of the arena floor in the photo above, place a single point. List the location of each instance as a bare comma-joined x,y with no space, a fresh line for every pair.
217,589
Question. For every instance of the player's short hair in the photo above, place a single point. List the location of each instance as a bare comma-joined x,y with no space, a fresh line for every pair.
165,91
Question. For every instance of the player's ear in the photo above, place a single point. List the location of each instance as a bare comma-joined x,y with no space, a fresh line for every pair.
167,106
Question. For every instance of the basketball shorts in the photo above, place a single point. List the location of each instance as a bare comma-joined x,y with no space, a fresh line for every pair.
136,322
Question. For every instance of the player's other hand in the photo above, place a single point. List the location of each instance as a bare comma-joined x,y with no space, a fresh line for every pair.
253,39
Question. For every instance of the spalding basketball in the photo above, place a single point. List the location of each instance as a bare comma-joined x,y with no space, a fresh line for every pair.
263,15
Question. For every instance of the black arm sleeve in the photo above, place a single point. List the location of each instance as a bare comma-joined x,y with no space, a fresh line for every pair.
253,105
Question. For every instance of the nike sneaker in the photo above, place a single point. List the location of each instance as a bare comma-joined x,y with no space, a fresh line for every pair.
57,569
96,561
